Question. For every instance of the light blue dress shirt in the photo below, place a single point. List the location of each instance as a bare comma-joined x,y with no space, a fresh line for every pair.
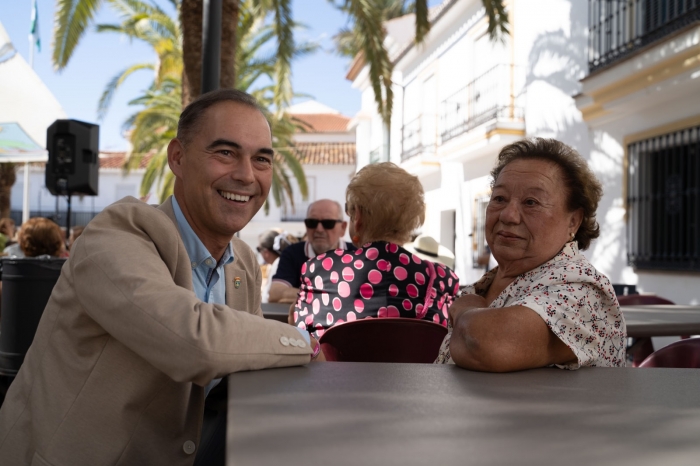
208,276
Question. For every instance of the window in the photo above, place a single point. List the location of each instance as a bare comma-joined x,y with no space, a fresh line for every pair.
479,247
663,198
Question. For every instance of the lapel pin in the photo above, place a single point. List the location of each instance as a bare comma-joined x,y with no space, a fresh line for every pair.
237,282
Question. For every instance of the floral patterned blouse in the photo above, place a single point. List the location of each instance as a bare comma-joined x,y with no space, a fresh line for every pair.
378,280
576,301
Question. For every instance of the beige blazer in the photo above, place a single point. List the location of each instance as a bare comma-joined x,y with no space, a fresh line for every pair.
116,372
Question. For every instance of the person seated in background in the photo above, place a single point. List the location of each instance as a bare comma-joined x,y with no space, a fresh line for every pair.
11,248
325,227
40,236
544,304
426,247
271,243
381,278
8,230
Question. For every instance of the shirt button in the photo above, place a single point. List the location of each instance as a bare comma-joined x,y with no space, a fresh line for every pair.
208,261
194,265
188,447
294,342
285,341
302,343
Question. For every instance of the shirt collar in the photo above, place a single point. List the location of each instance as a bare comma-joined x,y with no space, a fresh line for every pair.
197,252
310,253
568,252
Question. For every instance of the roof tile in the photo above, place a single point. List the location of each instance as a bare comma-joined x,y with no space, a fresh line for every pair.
326,153
322,122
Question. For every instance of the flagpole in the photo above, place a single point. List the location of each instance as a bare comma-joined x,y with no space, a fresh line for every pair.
31,52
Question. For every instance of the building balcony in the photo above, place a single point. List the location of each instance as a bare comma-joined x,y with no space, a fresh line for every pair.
380,154
493,96
619,28
418,137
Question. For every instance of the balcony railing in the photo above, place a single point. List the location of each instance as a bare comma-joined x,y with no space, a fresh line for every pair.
495,94
380,154
418,136
618,28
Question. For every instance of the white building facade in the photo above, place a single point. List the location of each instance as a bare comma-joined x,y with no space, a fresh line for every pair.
616,80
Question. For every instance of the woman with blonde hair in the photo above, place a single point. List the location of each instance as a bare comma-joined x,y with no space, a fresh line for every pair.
381,278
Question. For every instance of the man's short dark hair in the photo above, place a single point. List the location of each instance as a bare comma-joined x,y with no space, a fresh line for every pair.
191,114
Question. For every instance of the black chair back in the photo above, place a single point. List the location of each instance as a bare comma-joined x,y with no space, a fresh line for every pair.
26,287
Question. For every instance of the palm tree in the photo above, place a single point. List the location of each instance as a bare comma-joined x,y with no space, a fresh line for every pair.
74,16
152,127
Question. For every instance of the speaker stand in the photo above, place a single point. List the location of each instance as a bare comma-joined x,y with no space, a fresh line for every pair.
68,199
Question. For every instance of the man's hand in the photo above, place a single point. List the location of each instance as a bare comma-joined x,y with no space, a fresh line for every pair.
464,304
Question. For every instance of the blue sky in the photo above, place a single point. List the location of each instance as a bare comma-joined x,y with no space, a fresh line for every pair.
99,57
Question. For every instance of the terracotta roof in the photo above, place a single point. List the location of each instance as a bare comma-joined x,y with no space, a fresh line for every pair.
322,122
116,160
326,153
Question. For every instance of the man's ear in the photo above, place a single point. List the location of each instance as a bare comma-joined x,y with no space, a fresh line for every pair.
175,153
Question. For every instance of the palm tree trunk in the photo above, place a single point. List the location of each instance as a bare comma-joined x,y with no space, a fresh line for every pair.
8,176
229,26
191,21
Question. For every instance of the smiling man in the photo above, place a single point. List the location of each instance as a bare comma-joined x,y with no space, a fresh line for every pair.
153,308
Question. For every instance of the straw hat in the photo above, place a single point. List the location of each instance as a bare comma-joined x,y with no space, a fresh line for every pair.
427,248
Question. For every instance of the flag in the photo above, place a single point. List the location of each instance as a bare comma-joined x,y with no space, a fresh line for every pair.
34,32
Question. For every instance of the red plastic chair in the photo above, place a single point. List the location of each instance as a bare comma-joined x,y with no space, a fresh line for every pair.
383,340
681,354
642,299
642,348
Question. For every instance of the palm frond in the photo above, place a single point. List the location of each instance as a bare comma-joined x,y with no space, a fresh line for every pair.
368,21
283,25
70,22
498,19
113,85
422,22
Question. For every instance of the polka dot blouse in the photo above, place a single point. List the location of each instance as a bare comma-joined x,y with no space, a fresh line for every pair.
378,280
576,302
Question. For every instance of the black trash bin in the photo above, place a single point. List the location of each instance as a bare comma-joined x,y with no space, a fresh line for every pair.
26,287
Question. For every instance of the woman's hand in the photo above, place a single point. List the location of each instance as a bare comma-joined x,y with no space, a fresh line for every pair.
290,315
465,303
320,357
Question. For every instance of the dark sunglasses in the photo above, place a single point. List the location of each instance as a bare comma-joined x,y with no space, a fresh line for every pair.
328,224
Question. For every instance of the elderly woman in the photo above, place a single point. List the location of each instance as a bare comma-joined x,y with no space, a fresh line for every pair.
381,278
271,243
544,304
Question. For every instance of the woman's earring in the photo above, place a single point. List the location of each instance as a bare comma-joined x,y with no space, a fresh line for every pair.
573,235
356,239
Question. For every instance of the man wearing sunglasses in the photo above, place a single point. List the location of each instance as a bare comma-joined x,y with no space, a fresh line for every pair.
325,227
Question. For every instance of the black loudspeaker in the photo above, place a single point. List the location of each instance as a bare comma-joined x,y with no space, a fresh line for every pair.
73,166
